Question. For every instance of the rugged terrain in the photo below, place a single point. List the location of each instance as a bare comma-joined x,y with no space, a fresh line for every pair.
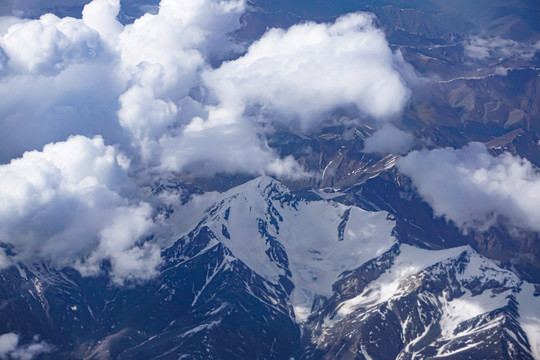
337,281
349,263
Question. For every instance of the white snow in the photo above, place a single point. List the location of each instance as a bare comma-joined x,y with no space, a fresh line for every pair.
38,286
483,268
200,328
326,168
22,272
413,260
461,349
308,233
529,317
364,352
467,307
187,217
327,195
409,262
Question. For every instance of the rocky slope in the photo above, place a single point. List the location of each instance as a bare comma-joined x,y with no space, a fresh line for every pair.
264,274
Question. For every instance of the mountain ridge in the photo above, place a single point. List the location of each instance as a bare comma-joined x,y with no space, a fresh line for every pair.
205,281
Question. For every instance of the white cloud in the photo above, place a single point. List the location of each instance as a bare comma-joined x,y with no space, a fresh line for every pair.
297,75
307,71
33,7
287,168
204,149
145,117
10,348
162,56
8,343
117,240
472,188
480,48
389,139
150,88
224,144
132,84
100,15
58,81
66,76
35,110
75,190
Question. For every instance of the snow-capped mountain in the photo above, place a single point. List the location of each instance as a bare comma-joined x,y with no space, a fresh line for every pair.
309,244
264,274
412,303
404,134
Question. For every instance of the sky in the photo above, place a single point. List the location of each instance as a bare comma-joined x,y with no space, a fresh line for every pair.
92,111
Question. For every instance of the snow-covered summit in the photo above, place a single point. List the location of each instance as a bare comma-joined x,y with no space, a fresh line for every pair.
311,243
313,279
433,304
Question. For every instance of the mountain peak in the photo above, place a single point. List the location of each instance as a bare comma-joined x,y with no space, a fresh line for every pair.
263,185
308,242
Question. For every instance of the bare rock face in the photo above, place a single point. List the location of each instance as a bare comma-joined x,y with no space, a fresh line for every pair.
420,314
269,275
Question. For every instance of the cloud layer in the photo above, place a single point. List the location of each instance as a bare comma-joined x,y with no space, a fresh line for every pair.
310,69
160,92
295,78
57,81
11,349
71,204
389,139
150,84
481,48
473,188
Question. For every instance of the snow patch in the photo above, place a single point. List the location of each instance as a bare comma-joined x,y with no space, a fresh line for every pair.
529,317
468,307
277,234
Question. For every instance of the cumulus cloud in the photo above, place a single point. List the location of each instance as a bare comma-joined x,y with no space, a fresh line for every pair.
49,44
389,139
57,81
100,15
296,78
205,148
8,343
480,48
162,56
63,76
35,7
473,188
72,203
135,84
67,75
10,348
310,69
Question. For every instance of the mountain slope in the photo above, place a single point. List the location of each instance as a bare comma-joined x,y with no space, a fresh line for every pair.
422,304
267,275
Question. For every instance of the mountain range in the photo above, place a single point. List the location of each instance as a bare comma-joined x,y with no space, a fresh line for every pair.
366,257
